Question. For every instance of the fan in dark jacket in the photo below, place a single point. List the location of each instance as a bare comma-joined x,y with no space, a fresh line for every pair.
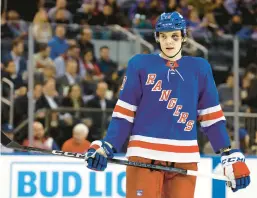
100,103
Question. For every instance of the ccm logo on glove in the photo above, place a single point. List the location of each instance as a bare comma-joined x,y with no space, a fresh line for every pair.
233,159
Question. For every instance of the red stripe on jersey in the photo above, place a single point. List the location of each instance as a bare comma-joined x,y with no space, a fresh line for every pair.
211,116
124,111
163,147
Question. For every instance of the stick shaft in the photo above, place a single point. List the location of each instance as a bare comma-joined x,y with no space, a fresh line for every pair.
210,175
11,144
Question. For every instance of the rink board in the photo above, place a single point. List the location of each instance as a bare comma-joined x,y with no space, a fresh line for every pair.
50,176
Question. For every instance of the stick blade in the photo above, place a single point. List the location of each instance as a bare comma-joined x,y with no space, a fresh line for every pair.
5,141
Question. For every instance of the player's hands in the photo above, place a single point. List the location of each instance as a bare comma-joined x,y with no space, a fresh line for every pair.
235,169
97,155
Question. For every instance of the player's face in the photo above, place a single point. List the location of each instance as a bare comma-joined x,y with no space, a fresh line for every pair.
170,42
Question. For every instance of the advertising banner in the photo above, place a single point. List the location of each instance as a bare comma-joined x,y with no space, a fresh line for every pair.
50,176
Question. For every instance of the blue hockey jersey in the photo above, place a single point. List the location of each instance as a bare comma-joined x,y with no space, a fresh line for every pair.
159,105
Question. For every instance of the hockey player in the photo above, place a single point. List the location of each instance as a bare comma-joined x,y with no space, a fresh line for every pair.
161,99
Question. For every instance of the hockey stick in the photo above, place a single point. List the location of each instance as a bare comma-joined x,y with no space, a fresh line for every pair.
5,141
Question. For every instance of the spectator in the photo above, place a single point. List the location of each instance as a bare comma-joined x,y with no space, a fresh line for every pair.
6,31
98,4
21,104
108,67
155,9
60,4
78,142
140,22
71,54
60,17
139,8
85,14
211,24
26,8
250,97
47,73
115,6
9,72
226,92
100,102
171,6
74,99
8,131
69,78
85,41
247,12
88,86
58,43
231,6
42,30
226,95
49,98
122,16
195,26
42,58
16,55
40,139
236,24
220,13
91,67
106,17
185,8
18,27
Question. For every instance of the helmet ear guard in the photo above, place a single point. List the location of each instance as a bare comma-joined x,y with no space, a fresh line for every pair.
156,36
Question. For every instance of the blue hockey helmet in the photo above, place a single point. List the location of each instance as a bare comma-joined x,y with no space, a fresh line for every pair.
170,22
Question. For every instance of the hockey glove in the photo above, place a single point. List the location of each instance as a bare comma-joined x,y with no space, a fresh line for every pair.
97,155
235,168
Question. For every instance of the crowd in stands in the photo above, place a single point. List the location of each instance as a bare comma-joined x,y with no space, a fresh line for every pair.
68,74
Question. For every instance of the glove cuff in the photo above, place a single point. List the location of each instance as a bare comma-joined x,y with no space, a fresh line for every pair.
225,150
102,147
229,151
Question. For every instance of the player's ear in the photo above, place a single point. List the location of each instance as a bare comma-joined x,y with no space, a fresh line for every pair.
184,40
